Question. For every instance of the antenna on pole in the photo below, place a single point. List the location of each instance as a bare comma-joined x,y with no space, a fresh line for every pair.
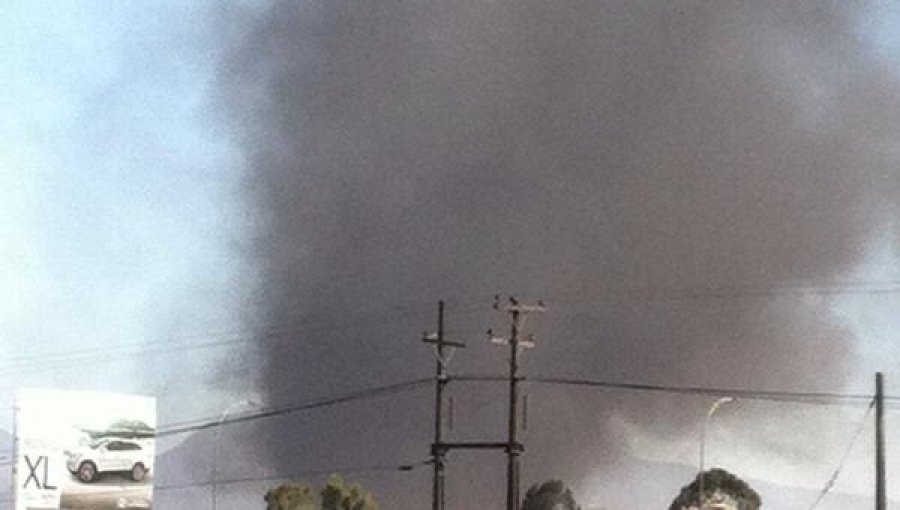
518,313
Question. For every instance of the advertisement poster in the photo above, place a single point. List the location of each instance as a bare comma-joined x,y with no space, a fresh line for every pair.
84,451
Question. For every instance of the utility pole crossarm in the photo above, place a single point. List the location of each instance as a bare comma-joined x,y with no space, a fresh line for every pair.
432,338
527,343
477,445
515,306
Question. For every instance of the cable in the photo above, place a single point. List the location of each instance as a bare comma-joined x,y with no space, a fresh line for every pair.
180,428
78,358
738,292
830,483
212,422
298,474
296,324
293,476
309,322
93,356
778,396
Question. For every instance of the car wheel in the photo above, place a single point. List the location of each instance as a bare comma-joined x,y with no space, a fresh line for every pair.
138,472
87,472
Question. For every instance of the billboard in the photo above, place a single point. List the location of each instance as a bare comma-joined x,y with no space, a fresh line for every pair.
84,451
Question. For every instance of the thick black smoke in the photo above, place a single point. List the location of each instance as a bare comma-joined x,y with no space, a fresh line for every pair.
677,180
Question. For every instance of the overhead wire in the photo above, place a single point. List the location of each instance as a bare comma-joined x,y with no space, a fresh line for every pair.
78,358
91,356
293,476
297,474
378,391
777,396
207,423
317,324
292,324
829,484
199,424
885,287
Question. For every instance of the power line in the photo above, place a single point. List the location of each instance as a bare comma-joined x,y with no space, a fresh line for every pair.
78,358
777,396
889,287
308,323
833,478
296,324
207,423
212,422
292,476
204,423
411,466
298,474
100,355
180,428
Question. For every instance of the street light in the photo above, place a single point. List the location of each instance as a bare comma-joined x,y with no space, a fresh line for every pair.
215,458
712,409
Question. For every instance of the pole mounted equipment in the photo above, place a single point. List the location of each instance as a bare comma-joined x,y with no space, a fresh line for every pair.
518,313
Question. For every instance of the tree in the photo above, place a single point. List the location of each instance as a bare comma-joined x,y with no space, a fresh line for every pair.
550,495
292,496
718,484
335,495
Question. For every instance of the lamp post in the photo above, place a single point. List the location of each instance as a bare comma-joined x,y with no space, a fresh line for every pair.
215,458
712,409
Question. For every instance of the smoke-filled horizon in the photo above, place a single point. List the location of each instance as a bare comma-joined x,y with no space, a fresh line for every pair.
684,184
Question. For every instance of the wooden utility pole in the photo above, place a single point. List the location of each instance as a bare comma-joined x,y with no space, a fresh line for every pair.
512,447
518,312
440,381
880,489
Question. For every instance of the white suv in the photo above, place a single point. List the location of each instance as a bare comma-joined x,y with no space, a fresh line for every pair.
110,455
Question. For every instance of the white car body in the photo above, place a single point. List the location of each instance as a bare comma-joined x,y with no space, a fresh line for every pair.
110,455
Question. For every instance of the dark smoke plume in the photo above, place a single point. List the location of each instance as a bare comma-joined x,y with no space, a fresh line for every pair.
675,179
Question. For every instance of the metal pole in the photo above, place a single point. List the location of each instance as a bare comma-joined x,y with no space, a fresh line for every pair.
512,465
215,459
702,452
712,409
13,477
880,489
437,492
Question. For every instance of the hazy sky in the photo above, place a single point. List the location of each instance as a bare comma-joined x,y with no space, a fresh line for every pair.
121,223
265,200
